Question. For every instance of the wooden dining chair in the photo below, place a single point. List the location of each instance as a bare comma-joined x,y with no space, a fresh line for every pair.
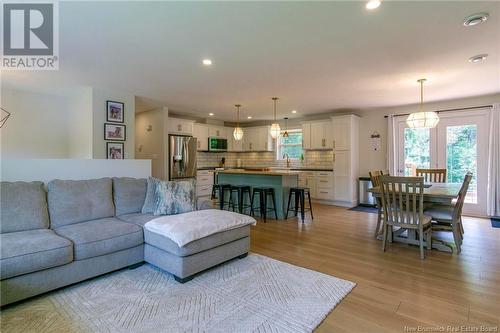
449,217
432,175
403,202
375,179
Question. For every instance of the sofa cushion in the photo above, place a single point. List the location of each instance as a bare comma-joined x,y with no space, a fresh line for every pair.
198,245
129,194
23,206
73,201
149,201
99,237
137,218
175,197
24,252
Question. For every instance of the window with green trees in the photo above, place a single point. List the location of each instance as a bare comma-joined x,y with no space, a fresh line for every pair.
416,149
461,156
291,145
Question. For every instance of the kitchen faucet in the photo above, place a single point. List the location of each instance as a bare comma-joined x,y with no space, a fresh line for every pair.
287,159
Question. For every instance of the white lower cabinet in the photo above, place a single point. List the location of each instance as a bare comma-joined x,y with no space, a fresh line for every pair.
204,183
320,184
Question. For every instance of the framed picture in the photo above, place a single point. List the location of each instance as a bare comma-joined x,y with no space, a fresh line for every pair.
115,132
115,112
114,151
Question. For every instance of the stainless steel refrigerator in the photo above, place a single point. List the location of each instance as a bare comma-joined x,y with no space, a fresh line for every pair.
182,154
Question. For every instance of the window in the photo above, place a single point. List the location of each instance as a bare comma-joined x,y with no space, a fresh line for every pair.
292,145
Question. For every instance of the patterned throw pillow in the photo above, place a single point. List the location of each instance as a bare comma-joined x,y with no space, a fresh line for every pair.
175,197
149,201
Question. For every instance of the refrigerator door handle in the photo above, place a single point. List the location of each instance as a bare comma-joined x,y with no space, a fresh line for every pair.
186,155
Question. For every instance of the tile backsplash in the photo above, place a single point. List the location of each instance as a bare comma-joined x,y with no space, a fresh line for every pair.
312,159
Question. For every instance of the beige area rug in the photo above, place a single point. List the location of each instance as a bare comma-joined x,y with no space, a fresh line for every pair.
254,294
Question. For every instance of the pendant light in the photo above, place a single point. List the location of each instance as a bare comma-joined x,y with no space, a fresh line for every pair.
275,127
285,135
422,119
238,131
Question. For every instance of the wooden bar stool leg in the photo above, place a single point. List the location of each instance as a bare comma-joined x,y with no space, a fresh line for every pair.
221,198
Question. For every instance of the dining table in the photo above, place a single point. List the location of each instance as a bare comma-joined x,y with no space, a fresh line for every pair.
434,193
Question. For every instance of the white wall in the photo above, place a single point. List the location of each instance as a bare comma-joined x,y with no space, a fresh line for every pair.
48,169
373,120
37,127
99,98
153,144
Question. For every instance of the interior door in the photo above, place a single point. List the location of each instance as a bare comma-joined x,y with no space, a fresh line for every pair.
463,146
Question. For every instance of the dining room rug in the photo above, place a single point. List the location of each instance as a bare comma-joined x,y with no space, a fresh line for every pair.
366,209
254,294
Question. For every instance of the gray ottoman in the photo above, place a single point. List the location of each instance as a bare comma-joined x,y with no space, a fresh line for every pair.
186,261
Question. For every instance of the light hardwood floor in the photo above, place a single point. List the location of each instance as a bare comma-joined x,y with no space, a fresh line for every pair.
394,289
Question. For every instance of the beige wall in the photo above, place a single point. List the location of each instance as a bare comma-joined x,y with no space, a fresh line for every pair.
373,120
152,144
38,125
69,124
79,137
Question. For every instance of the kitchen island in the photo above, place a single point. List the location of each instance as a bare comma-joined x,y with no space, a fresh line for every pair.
280,180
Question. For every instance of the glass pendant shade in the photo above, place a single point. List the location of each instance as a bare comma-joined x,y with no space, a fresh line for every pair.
275,130
238,133
422,119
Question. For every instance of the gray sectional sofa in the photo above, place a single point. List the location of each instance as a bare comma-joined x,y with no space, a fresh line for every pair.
81,229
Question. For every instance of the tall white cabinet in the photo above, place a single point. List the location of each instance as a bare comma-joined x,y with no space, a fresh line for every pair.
345,135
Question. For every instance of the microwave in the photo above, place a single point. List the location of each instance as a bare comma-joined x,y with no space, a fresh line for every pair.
217,144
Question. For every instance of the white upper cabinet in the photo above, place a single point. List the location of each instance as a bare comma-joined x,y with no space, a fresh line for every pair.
317,135
306,136
180,126
257,139
217,132
342,129
232,144
200,131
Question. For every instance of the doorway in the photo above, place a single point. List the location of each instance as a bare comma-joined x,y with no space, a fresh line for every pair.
459,143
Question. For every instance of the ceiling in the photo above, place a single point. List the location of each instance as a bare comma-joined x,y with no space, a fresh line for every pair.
316,56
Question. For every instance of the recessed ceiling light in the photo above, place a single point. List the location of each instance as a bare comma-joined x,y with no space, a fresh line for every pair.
210,114
207,62
475,19
373,4
294,111
478,58
249,117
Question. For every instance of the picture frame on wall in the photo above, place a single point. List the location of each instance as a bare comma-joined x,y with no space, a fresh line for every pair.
115,132
115,151
115,112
